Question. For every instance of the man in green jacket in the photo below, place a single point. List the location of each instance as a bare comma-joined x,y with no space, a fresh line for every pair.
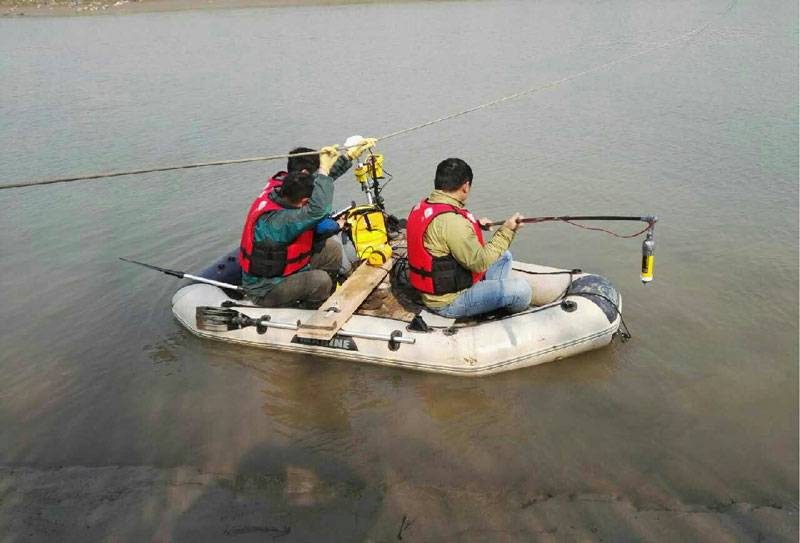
284,230
456,272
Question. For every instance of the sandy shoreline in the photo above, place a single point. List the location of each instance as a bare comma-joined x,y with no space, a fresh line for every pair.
142,503
62,8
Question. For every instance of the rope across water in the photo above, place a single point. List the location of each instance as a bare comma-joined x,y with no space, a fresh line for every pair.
150,170
532,90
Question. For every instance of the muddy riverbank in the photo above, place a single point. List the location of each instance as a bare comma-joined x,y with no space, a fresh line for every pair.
129,503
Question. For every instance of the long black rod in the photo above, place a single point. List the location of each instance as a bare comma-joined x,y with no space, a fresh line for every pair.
645,218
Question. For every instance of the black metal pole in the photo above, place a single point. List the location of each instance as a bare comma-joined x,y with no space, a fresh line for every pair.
645,218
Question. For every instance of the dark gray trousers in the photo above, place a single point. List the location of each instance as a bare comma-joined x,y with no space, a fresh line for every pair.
310,287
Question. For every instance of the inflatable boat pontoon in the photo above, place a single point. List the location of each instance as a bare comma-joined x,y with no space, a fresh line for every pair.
562,322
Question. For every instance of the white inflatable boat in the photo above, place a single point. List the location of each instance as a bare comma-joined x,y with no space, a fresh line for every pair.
572,313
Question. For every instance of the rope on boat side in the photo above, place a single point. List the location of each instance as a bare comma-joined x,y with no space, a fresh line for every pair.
532,90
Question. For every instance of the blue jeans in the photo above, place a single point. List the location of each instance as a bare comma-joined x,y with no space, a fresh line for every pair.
497,290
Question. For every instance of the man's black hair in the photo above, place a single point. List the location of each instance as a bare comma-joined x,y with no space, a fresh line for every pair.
308,163
451,173
296,186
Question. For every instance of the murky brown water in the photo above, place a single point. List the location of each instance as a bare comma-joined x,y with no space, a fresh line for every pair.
701,407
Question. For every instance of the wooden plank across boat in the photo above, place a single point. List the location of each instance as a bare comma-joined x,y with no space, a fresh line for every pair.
337,309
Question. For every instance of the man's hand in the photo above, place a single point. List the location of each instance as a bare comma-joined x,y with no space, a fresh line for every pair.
514,222
327,158
366,143
485,223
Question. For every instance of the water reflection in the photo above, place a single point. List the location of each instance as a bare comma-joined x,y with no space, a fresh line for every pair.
309,400
307,394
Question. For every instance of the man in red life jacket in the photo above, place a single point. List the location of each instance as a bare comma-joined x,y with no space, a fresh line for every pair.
281,266
456,272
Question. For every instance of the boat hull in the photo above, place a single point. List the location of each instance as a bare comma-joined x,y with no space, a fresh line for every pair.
546,333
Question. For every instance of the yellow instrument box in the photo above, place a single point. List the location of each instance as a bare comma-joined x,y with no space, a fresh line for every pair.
368,232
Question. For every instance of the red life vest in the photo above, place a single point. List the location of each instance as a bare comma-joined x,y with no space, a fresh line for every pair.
268,258
436,275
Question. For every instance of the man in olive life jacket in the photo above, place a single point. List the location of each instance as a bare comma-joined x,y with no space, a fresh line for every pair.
456,272
281,265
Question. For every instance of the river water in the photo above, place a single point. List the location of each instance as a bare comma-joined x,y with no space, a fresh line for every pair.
699,409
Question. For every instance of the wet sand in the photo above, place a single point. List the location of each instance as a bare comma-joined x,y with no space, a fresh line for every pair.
131,503
60,8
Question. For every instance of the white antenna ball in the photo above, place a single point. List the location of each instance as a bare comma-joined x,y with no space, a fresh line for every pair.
353,141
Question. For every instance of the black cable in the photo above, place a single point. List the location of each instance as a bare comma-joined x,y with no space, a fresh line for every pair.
624,335
560,272
379,190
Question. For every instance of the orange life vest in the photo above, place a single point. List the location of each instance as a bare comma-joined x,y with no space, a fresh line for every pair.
442,274
267,258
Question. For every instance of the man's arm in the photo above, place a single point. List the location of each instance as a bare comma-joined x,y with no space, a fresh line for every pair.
339,167
464,245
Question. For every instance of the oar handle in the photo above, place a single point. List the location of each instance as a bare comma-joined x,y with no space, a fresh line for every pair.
181,275
215,283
